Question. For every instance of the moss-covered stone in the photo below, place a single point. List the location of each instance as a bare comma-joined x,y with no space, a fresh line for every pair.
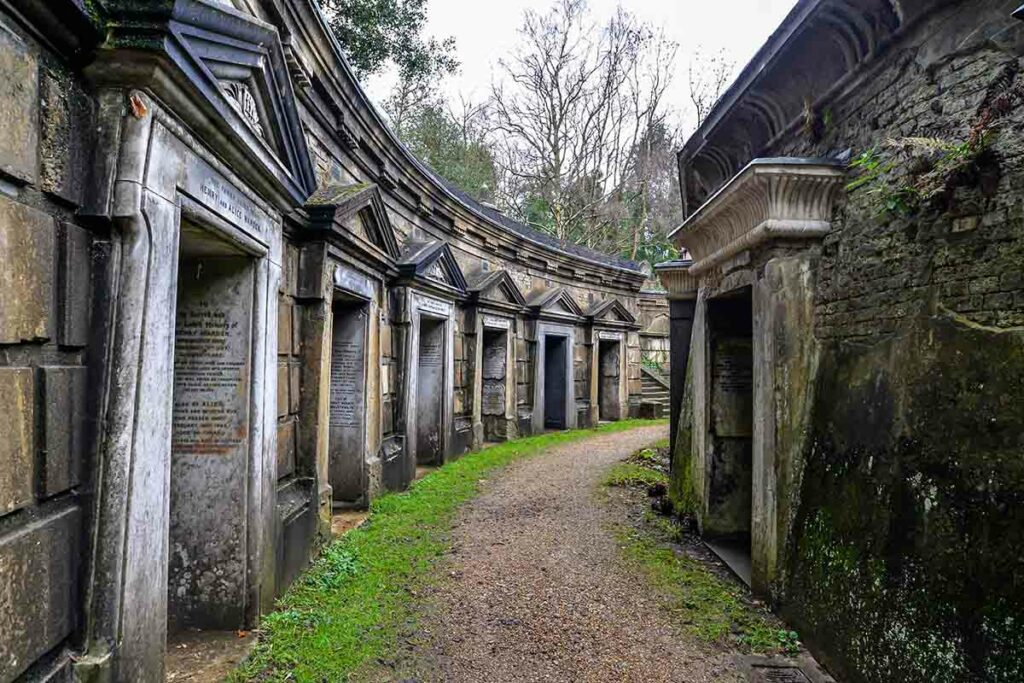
906,561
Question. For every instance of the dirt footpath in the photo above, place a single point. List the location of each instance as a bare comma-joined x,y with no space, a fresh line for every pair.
536,591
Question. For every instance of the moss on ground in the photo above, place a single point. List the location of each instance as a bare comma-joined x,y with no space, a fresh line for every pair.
351,607
712,608
631,474
704,605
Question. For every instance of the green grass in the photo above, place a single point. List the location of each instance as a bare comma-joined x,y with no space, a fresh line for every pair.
352,605
631,474
706,606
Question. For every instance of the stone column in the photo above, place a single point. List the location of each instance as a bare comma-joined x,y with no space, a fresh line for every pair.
682,296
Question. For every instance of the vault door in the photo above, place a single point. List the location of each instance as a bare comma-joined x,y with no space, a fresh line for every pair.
495,371
430,392
210,436
348,403
609,377
730,472
555,350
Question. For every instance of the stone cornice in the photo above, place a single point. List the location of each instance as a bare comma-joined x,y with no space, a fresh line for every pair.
770,199
676,279
378,152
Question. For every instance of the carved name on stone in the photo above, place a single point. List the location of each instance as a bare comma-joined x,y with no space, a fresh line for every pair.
497,323
493,398
434,306
346,382
209,375
615,336
494,359
208,187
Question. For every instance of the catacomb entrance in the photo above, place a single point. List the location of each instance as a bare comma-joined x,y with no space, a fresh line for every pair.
555,381
609,378
210,444
494,374
347,468
727,525
430,392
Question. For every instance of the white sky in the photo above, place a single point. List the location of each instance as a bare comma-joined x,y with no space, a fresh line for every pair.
486,30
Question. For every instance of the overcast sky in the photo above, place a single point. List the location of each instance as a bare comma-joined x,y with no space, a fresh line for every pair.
485,30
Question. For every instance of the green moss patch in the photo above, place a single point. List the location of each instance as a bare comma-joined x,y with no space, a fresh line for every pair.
703,604
356,601
631,474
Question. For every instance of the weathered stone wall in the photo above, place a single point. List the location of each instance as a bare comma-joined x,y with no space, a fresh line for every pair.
901,557
49,264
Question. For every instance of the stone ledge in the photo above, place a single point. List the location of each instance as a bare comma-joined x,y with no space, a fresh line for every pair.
783,198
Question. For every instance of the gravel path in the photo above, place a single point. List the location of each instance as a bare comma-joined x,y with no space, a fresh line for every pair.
536,589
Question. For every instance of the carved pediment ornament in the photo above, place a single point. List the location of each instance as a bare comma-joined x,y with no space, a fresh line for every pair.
242,100
770,199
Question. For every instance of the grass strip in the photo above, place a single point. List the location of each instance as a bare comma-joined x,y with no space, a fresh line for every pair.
354,602
705,605
631,474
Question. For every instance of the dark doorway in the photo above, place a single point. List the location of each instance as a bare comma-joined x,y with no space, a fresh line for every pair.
210,436
430,392
608,380
348,403
555,379
730,466
494,373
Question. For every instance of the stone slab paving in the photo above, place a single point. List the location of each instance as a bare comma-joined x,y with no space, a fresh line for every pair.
536,591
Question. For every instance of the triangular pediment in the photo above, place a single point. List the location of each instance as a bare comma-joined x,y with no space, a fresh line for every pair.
556,301
612,311
432,260
498,287
358,209
238,62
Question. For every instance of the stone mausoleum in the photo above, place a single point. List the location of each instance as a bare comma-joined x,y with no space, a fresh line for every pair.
848,334
230,303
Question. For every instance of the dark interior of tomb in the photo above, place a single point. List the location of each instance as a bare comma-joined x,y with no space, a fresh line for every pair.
608,378
727,525
348,402
430,392
207,553
555,349
494,374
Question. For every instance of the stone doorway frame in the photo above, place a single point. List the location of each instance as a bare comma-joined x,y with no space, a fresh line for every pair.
507,325
351,289
421,306
761,230
545,330
158,176
620,338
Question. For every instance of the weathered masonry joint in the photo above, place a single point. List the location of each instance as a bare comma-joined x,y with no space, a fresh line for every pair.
232,304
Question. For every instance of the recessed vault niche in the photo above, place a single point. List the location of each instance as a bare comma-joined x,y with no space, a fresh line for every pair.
495,384
730,438
430,391
609,381
347,466
207,560
556,381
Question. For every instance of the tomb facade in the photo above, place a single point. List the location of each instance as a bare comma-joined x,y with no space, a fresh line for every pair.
232,303
846,344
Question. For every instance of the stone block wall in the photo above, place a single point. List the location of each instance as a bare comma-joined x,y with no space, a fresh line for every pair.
899,559
50,264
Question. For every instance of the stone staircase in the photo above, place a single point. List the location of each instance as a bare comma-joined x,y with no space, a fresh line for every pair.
655,391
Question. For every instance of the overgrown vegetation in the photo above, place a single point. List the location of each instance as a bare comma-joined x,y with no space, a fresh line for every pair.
361,595
711,608
907,175
631,474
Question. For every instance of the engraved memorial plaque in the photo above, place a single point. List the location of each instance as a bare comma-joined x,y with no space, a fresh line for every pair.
348,402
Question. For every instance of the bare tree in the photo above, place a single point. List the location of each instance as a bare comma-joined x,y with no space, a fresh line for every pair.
575,101
709,75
